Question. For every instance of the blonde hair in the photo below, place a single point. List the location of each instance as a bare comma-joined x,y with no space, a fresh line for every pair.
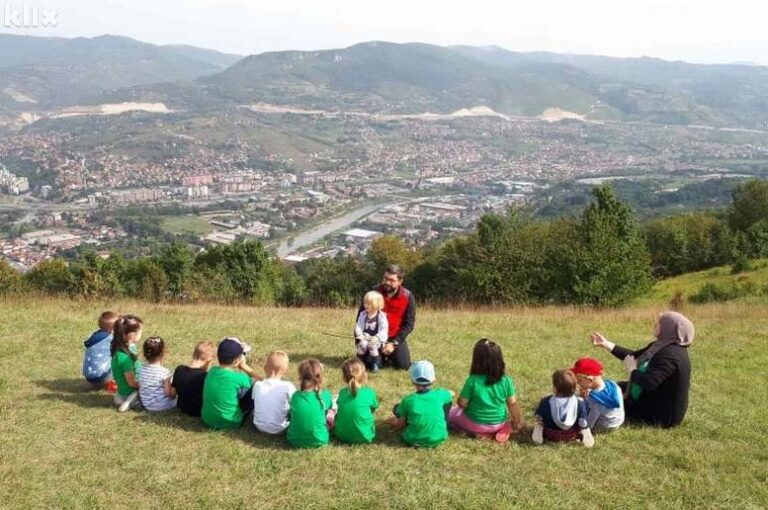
354,375
204,351
276,361
374,299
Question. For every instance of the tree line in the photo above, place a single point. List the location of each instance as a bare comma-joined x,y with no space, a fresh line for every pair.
604,257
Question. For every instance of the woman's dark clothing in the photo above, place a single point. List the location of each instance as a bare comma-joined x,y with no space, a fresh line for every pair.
665,383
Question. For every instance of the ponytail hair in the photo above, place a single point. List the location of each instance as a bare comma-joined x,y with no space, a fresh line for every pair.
354,375
124,326
311,376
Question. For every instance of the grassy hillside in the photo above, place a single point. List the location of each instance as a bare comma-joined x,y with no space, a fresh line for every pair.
754,279
63,447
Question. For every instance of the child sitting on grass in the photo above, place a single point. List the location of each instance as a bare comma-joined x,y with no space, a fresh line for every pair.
97,360
605,403
155,390
227,388
124,364
371,331
272,396
354,422
188,380
487,405
562,416
311,408
423,414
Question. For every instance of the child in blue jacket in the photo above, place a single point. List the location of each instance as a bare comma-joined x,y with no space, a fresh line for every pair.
97,360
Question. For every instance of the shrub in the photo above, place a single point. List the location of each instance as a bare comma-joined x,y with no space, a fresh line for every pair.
741,265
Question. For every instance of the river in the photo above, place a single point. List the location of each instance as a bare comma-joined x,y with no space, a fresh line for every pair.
329,227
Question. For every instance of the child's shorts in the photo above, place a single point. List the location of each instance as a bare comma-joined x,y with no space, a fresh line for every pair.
562,436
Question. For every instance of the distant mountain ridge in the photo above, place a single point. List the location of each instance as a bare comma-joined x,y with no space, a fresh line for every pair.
415,77
382,77
48,72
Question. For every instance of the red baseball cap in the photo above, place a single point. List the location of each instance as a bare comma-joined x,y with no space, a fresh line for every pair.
587,366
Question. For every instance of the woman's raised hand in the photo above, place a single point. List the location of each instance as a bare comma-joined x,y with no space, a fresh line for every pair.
598,340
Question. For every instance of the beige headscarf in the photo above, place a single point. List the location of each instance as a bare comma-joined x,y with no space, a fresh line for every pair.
674,328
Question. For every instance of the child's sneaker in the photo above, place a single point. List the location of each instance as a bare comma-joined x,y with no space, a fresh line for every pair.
587,439
128,403
111,386
538,433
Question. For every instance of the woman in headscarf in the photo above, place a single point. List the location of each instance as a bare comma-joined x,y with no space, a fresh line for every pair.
659,373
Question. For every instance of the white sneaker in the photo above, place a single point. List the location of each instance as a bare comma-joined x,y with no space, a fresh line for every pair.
127,402
538,434
587,439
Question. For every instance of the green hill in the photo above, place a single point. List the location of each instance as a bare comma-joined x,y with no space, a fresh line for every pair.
64,447
751,284
40,73
394,78
387,77
47,72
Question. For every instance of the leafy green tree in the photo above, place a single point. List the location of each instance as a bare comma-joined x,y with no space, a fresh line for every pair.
94,276
388,250
508,259
247,265
687,242
176,260
291,290
211,284
749,204
611,264
145,279
50,276
10,279
333,282
757,239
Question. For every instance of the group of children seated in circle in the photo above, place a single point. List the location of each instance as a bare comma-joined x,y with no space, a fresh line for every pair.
226,395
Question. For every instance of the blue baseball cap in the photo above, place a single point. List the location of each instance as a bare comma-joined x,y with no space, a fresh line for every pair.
232,347
422,372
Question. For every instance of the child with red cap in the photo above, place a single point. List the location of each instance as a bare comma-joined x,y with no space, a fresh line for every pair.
605,403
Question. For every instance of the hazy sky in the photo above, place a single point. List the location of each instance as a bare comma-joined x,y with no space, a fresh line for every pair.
694,30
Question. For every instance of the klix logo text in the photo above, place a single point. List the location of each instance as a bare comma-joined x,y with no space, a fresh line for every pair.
26,16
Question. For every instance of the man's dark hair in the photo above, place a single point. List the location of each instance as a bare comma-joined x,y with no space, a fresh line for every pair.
395,270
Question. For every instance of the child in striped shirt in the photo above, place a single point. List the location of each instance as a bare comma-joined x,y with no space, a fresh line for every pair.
155,390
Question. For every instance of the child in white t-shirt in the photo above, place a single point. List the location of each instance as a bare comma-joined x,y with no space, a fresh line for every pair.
272,396
155,389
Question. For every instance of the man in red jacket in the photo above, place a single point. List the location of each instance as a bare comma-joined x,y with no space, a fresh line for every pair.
400,308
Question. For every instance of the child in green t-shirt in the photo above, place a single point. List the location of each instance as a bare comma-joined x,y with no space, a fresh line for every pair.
423,414
227,388
310,414
125,364
487,405
354,422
